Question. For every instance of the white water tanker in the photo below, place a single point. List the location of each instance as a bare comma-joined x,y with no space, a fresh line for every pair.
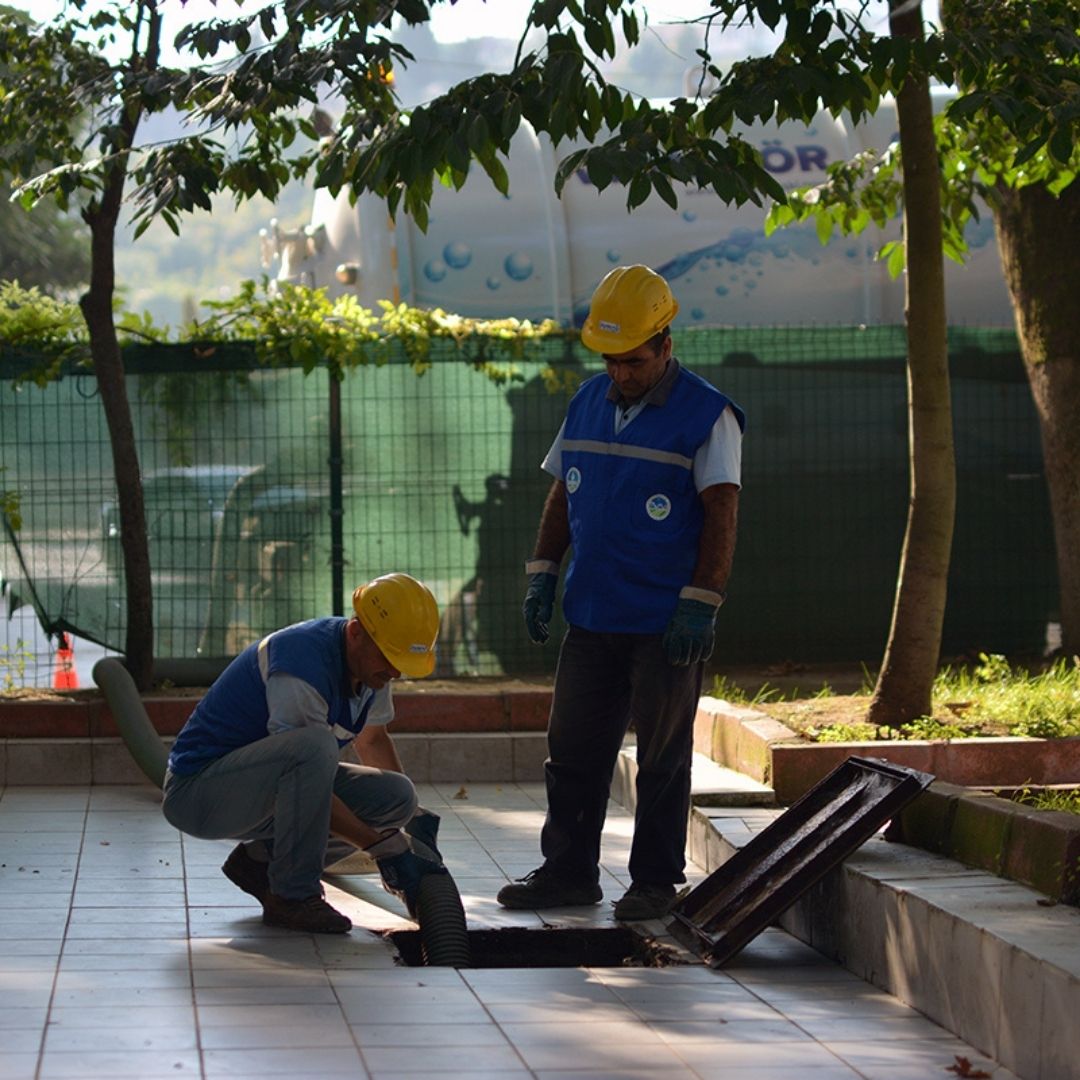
532,255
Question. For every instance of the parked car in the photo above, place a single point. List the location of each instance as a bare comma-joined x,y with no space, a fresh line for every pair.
187,505
183,507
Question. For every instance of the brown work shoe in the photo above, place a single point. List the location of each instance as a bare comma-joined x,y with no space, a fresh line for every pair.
247,873
311,916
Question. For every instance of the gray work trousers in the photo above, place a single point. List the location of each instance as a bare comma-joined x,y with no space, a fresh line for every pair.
277,790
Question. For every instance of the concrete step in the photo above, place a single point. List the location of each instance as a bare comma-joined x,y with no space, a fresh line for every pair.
711,784
992,961
428,757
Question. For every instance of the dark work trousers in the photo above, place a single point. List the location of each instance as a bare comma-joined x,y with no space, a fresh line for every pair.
605,682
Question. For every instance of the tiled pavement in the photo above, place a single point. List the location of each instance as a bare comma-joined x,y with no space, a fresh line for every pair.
125,953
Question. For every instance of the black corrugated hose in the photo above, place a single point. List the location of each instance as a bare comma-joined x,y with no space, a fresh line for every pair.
444,941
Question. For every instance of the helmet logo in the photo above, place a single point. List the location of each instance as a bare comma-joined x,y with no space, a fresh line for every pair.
573,479
610,327
658,507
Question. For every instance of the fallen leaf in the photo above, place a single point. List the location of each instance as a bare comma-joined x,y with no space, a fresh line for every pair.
964,1068
462,792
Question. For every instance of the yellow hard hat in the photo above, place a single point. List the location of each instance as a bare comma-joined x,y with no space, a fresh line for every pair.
402,618
630,305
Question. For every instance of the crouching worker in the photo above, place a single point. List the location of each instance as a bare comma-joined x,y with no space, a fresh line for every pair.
258,759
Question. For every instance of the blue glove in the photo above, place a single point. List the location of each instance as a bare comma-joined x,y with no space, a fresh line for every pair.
424,828
689,635
402,871
539,604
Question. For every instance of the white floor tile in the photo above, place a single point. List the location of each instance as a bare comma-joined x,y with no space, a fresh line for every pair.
129,948
275,1061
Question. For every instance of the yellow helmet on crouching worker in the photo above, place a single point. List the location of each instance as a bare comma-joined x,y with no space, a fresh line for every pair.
629,306
401,617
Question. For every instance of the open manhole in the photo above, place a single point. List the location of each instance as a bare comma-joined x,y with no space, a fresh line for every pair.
514,947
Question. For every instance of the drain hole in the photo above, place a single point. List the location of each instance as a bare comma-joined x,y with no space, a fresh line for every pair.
514,947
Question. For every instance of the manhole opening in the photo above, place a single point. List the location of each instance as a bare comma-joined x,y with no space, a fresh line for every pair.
513,947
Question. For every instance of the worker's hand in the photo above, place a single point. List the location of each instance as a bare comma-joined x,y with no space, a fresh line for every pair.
402,866
424,828
539,604
689,635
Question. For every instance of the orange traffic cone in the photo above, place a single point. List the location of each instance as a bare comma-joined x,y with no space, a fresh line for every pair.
65,677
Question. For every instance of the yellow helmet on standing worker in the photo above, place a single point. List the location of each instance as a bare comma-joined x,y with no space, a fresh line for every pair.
401,617
629,306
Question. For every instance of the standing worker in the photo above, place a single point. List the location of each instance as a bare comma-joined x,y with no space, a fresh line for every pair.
258,759
647,472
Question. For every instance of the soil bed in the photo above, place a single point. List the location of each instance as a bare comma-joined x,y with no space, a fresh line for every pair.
808,716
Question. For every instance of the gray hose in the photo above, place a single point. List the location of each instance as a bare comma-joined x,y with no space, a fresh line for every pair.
139,734
189,671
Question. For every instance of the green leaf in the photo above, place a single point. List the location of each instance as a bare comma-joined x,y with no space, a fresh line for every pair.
824,226
1061,145
640,189
663,188
495,169
894,255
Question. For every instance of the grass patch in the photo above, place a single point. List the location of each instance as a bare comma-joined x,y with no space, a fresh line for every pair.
990,698
1065,799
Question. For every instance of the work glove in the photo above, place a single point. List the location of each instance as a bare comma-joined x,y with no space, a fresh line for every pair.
402,864
539,598
688,638
424,827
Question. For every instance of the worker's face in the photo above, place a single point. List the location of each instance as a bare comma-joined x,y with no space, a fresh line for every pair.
637,371
367,664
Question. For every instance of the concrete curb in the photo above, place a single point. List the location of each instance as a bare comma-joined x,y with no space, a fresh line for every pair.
767,750
980,956
1040,848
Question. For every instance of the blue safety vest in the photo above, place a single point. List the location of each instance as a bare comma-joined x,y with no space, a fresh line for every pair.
635,514
234,711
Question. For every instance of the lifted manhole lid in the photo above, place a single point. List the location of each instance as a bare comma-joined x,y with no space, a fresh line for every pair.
766,876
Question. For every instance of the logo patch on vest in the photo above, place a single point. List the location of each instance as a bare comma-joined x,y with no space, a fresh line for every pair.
658,507
573,479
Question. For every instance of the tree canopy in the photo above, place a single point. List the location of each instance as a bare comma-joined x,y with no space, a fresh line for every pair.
76,91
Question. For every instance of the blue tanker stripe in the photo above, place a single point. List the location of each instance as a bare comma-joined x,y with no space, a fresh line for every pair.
643,453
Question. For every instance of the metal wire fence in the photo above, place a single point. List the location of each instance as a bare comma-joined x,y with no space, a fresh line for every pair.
271,494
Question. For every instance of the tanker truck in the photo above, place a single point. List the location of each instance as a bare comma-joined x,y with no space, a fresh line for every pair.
532,255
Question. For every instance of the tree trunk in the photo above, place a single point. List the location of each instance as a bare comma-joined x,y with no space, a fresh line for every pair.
97,309
1039,240
96,305
903,690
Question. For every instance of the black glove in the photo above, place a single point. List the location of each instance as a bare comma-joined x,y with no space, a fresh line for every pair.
539,604
689,635
402,867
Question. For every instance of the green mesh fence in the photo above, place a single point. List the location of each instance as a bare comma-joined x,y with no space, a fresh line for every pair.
440,477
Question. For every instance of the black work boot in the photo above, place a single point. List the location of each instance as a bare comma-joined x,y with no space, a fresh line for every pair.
544,888
247,873
645,902
310,916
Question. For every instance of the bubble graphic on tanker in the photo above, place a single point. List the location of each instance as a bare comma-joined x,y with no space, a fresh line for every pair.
689,215
457,254
493,282
613,256
697,313
518,266
435,270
